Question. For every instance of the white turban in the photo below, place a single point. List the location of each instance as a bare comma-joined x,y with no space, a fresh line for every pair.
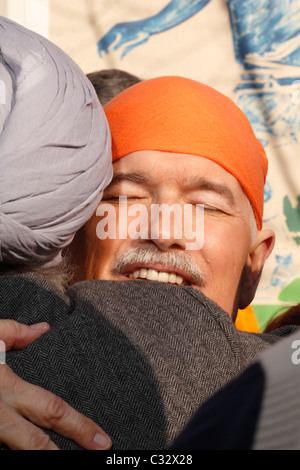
55,148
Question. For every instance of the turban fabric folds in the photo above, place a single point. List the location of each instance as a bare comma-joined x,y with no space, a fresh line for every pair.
55,148
180,115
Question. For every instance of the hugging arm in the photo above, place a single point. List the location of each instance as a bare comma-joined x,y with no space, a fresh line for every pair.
24,407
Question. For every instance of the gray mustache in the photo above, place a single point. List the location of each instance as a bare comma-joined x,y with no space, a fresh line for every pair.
175,259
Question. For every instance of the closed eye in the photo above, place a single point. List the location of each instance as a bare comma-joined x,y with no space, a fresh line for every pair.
208,208
211,209
121,198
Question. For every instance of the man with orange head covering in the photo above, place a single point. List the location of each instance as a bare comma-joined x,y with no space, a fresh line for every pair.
178,142
108,84
139,357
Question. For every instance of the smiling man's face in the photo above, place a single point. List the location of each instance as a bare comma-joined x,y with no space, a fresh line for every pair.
227,267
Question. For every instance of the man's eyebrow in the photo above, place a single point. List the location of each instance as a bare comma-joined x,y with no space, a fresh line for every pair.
134,177
201,183
194,183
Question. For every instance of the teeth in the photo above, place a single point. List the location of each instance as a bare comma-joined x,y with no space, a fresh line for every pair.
142,274
153,275
172,278
163,277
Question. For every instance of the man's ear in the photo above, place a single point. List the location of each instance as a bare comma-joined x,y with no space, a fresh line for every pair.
259,252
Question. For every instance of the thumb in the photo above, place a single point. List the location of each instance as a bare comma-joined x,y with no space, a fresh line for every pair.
17,336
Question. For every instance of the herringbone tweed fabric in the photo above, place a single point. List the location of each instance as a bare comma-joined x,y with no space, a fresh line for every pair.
137,357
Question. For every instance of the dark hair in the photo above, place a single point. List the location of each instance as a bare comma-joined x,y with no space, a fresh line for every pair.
111,82
290,317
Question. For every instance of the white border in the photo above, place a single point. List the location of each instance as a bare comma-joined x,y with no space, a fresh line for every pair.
33,14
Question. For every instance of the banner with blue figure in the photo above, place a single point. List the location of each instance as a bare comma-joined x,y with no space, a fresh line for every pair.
247,49
133,34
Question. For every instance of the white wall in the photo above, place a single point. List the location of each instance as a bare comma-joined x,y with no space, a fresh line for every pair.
33,14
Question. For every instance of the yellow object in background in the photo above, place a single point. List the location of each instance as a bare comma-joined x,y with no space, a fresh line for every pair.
247,321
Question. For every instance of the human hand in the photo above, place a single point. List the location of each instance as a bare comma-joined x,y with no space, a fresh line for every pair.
24,407
17,336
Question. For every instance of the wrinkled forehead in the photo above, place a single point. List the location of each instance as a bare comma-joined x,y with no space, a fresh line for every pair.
188,175
179,115
187,172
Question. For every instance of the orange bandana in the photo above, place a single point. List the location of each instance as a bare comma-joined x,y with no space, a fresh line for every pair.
175,114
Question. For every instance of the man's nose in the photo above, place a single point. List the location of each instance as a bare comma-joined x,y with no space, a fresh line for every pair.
165,227
165,244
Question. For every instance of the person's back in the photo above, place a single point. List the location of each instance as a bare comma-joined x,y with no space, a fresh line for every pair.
136,357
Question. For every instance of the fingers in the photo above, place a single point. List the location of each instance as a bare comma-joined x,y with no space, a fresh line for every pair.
63,419
16,431
46,410
19,434
17,336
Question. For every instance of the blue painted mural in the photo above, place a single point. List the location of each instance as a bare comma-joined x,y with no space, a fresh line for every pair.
266,42
135,33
